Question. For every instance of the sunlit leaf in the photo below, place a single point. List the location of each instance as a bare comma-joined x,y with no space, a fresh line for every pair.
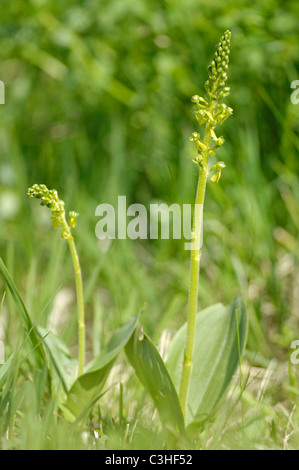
220,337
153,375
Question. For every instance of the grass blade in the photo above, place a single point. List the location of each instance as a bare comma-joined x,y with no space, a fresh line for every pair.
24,315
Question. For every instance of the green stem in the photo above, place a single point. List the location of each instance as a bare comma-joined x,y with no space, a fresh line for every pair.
80,298
80,302
194,271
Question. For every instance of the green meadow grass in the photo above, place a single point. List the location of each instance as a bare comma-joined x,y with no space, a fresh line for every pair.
98,105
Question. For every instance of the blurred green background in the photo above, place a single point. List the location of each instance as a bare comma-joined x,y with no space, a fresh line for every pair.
98,105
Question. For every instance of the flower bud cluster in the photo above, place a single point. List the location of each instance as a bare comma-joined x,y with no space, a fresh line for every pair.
50,199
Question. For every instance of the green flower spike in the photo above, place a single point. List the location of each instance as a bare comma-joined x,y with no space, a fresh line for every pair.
209,110
50,199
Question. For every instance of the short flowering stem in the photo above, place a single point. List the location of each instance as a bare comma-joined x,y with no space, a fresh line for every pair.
80,302
50,199
79,290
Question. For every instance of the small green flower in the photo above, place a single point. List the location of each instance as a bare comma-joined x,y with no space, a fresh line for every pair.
73,219
218,167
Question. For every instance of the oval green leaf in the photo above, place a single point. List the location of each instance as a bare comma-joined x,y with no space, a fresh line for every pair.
219,342
153,375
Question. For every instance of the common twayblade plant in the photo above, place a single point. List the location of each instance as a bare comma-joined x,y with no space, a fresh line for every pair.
82,390
75,387
210,112
205,352
50,199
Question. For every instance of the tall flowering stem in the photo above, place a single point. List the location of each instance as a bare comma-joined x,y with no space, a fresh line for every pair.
50,199
211,112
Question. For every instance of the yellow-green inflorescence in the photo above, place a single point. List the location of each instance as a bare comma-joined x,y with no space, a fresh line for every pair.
50,199
209,110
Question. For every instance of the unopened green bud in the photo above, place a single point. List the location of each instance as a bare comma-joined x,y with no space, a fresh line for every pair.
219,64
